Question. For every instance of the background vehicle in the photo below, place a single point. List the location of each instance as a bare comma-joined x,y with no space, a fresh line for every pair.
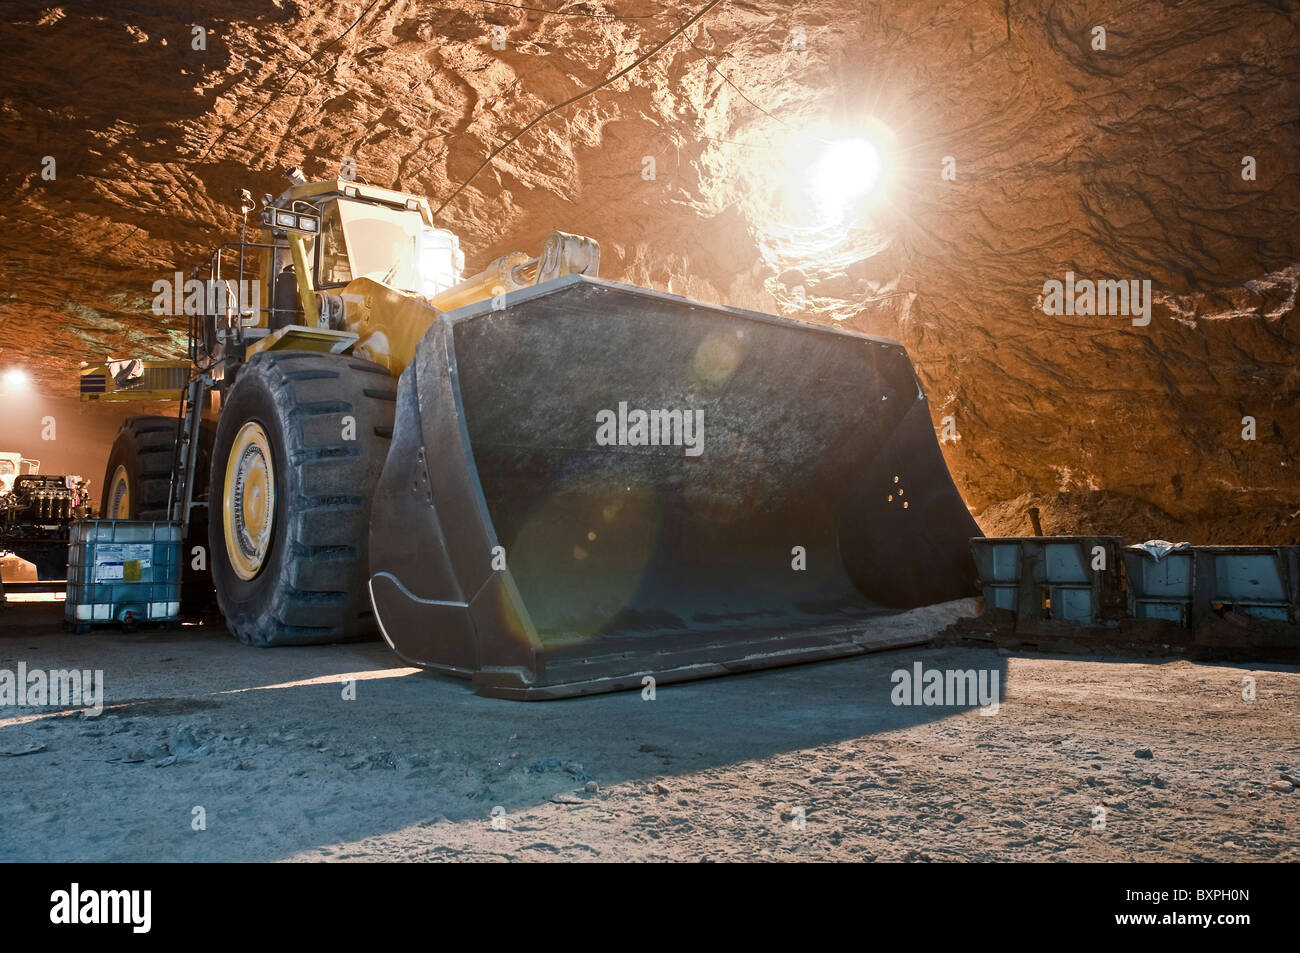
35,512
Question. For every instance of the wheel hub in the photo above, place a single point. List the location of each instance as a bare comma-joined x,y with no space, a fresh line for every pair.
248,504
119,495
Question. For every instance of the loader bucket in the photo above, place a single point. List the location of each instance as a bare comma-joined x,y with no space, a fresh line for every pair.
534,532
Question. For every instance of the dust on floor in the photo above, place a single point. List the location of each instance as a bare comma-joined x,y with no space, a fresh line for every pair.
809,763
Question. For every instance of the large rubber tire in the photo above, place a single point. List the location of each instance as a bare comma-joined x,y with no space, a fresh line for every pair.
144,448
311,586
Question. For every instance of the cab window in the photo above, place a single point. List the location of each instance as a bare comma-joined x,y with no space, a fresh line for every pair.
333,266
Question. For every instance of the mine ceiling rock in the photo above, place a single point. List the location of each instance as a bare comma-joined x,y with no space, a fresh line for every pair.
1121,163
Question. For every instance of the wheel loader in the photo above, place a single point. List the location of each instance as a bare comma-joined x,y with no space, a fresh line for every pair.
535,478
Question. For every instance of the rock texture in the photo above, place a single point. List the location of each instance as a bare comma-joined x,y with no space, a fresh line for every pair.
1121,163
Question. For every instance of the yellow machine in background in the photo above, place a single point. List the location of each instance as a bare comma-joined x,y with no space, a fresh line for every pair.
134,379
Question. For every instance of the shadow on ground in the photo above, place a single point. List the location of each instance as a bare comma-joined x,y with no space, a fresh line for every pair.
279,761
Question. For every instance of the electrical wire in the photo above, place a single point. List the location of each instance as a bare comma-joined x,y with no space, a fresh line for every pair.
576,98
727,79
297,69
212,143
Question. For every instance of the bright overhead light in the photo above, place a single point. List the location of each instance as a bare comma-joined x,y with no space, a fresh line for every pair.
15,378
845,172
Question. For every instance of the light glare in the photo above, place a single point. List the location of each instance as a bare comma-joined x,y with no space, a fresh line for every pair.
846,172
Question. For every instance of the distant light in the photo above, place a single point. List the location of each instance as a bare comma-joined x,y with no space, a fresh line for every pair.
16,379
846,171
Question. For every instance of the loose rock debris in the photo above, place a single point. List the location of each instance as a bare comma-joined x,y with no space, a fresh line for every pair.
811,762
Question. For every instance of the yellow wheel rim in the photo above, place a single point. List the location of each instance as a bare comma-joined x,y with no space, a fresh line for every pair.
119,496
248,503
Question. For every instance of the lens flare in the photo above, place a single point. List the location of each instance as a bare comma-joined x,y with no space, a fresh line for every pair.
845,172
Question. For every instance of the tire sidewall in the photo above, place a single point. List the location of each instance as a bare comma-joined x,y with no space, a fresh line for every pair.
122,455
251,400
140,437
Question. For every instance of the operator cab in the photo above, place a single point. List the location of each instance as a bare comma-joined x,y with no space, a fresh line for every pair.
359,231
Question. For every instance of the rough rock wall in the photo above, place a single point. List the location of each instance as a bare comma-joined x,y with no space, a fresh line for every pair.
1122,163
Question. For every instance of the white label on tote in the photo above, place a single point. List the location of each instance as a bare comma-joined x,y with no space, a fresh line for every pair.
113,560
